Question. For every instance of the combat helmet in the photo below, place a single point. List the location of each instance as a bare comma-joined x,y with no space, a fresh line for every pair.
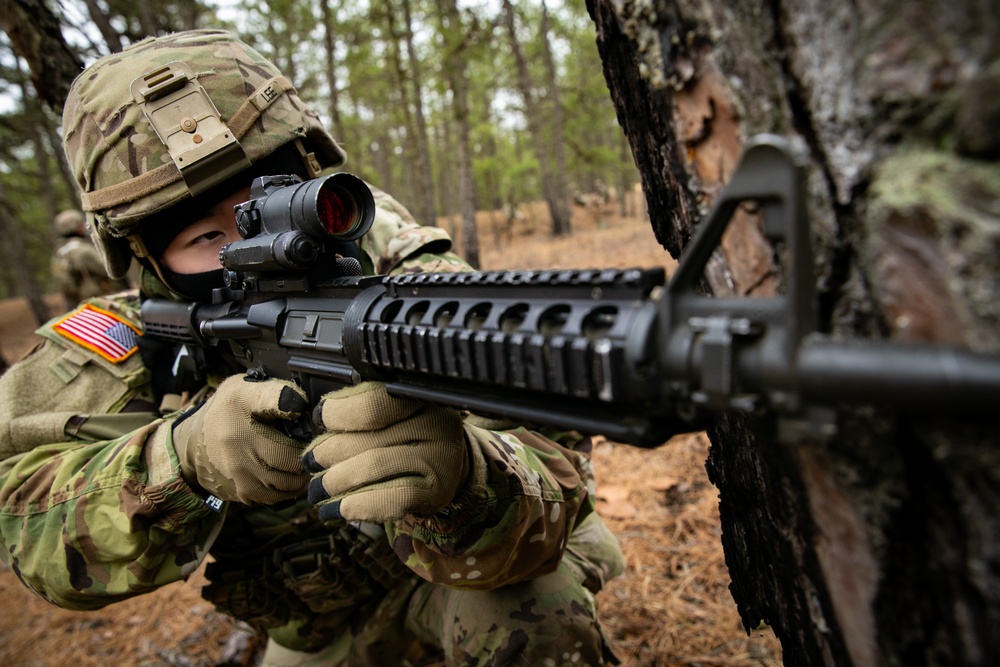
69,223
169,118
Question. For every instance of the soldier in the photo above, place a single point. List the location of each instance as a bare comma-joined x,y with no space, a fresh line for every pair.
472,541
76,264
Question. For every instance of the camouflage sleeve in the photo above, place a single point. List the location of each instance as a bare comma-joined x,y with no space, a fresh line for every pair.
92,507
442,262
84,525
526,494
397,244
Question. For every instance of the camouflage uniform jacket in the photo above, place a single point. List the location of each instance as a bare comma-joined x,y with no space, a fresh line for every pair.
93,508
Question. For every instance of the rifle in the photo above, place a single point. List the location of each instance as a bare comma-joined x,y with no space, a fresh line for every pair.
605,351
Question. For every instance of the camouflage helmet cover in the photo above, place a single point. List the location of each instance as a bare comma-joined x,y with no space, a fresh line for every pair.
69,222
125,170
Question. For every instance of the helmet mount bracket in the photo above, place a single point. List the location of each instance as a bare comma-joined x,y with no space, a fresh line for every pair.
204,149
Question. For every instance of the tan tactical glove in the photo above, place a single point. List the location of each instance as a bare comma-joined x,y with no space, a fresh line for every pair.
382,457
233,446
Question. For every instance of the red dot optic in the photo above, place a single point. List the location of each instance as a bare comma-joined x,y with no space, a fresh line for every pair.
336,215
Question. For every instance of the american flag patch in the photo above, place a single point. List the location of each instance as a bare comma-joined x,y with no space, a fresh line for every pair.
105,333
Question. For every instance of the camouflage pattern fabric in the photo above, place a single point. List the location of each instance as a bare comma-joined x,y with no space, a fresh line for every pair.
548,620
485,541
397,244
119,533
135,524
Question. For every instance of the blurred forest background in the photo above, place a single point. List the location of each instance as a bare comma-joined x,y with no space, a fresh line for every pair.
451,106
491,118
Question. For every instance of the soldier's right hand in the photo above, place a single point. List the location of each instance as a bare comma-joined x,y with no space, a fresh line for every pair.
233,447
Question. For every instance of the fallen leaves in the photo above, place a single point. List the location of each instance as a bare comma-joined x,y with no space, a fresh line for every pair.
672,606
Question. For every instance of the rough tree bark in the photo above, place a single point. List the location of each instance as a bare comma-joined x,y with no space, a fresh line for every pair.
882,544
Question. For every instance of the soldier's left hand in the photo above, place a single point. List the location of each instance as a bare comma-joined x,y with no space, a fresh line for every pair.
383,458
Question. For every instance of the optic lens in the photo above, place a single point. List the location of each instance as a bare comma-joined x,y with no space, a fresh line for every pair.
338,207
336,210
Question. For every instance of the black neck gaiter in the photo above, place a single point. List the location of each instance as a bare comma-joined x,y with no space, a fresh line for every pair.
195,286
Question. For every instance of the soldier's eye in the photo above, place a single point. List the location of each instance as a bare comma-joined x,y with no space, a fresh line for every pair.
207,237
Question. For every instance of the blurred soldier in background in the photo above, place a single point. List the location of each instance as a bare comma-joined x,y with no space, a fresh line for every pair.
76,264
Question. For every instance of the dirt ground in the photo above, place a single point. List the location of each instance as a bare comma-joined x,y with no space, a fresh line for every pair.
672,607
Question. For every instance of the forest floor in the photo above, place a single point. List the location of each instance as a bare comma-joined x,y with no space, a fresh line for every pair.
672,607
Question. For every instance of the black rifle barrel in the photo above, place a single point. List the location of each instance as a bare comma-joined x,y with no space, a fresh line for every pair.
914,376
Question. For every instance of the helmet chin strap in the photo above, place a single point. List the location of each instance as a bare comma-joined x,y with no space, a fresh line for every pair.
309,160
141,253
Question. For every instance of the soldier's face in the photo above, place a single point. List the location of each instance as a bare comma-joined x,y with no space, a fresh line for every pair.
196,248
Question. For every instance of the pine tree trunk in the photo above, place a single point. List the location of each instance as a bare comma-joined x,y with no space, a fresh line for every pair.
560,174
147,17
455,70
46,186
445,172
624,181
463,154
330,69
424,172
880,545
382,159
558,210
410,152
